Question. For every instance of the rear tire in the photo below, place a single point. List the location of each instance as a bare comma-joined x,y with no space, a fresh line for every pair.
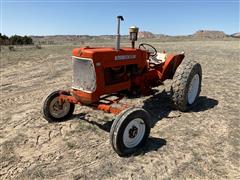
130,131
53,111
186,85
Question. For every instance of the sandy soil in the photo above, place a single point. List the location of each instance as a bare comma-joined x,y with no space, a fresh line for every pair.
201,144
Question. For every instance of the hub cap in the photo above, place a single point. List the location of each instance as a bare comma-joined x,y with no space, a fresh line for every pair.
57,109
193,89
134,133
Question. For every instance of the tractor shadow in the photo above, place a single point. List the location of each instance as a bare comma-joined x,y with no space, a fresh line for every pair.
159,106
204,103
152,144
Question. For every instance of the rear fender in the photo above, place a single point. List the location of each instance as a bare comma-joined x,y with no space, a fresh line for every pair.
170,66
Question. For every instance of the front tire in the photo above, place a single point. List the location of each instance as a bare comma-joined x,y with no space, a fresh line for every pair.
130,131
186,85
54,111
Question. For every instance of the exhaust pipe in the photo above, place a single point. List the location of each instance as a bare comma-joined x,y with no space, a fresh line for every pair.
118,36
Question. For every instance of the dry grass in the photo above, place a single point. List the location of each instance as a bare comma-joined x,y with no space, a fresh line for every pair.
200,144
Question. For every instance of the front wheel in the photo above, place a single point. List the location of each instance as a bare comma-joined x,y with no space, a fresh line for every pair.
130,131
54,111
186,85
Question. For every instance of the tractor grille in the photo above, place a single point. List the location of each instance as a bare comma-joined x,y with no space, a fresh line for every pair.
84,76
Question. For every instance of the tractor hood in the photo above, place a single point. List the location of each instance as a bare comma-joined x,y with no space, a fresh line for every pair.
86,51
108,56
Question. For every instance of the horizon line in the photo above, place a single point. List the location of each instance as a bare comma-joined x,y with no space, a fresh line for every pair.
121,34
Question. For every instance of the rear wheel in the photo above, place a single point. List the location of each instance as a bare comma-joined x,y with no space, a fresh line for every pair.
53,110
130,131
186,85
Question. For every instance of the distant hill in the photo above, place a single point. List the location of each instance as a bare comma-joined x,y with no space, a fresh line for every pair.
149,36
236,35
209,34
145,35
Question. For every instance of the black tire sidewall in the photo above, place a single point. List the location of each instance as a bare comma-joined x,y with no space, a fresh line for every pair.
120,124
46,112
181,82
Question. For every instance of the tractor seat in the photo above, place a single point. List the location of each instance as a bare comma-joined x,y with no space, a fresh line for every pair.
159,58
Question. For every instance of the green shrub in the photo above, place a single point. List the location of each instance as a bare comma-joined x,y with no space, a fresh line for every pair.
15,40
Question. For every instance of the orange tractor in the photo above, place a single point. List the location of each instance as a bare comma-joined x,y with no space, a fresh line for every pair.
102,73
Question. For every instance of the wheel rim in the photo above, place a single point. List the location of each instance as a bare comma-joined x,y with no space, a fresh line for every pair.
57,109
134,133
193,89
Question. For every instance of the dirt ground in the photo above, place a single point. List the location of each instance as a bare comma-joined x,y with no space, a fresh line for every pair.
201,144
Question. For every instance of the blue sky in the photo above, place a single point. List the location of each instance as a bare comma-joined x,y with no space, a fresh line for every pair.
173,17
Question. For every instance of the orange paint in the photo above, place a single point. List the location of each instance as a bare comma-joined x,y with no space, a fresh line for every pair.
145,78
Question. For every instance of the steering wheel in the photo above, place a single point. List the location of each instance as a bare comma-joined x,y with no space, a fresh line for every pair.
147,47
